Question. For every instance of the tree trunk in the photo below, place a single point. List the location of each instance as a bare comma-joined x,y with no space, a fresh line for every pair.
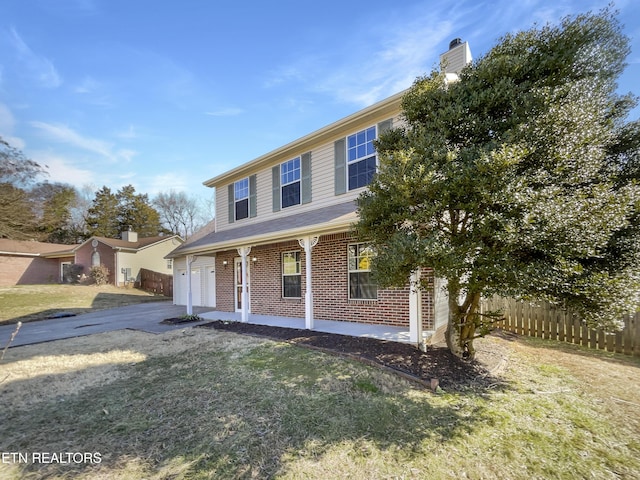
462,324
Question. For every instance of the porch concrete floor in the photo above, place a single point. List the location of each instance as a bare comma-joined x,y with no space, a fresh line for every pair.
383,332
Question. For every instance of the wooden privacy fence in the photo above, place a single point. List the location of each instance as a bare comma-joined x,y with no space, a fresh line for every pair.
155,282
547,321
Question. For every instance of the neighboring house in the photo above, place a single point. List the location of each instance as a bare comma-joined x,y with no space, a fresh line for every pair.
283,244
30,262
125,257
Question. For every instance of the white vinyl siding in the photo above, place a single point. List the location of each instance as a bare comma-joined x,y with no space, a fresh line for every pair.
322,181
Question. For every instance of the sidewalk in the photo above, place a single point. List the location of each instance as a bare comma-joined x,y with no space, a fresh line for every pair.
382,332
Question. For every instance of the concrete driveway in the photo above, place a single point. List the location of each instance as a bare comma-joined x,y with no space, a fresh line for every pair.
144,316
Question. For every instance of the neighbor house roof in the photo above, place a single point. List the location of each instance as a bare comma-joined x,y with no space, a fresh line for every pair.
32,248
330,219
119,244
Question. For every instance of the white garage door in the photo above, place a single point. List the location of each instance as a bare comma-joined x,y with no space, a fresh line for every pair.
196,294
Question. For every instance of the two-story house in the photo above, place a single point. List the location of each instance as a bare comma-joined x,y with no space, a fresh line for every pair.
283,244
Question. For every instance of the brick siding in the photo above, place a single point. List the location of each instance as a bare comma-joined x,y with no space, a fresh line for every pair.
107,258
330,286
18,270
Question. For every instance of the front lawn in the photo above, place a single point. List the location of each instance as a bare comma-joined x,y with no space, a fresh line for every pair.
198,403
27,303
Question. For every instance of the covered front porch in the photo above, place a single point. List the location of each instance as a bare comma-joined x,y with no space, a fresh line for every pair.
381,332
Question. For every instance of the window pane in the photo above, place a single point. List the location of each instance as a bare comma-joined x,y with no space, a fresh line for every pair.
242,209
291,263
360,144
362,287
370,149
241,189
361,173
290,171
291,286
368,288
353,252
291,195
371,134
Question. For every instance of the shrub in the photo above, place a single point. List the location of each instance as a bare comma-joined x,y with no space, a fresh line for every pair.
99,274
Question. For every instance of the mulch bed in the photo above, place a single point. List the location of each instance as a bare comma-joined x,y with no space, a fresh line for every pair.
179,320
450,372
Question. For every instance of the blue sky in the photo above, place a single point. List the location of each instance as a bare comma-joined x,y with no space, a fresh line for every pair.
165,95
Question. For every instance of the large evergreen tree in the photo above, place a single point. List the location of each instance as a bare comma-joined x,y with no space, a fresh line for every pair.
136,212
53,203
517,180
102,216
17,220
17,172
112,213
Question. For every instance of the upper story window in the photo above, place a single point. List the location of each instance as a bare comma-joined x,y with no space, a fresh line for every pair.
290,182
355,158
361,158
241,198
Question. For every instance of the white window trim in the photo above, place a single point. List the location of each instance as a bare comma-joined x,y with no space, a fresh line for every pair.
357,270
236,200
284,184
299,274
358,159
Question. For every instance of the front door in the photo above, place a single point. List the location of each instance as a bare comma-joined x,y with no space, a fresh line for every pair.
238,281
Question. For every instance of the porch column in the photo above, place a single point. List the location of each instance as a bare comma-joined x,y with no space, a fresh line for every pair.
308,243
415,308
190,260
244,254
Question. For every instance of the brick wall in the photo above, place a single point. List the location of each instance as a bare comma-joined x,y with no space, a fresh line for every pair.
22,270
107,258
330,286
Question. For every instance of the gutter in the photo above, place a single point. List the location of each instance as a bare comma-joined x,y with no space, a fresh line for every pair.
257,240
19,254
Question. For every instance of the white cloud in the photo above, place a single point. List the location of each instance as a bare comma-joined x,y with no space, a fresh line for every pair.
166,181
62,170
380,57
40,67
66,135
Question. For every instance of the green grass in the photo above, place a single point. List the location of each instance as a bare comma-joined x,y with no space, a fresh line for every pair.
27,303
225,406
